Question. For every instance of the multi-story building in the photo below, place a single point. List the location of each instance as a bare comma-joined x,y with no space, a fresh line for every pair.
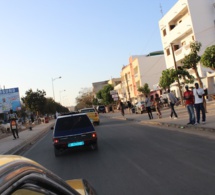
140,70
185,22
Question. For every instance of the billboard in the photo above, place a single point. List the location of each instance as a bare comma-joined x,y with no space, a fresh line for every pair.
9,99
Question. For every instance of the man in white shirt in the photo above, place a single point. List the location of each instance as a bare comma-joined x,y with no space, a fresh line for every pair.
198,95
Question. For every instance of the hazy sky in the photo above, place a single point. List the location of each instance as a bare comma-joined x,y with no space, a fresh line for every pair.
83,41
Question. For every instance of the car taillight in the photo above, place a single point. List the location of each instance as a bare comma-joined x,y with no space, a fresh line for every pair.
94,135
55,140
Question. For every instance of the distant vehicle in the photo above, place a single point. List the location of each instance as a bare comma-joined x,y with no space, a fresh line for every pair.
92,114
22,176
140,107
73,131
101,109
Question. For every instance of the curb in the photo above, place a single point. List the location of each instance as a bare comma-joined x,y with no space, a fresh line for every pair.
157,123
27,143
200,128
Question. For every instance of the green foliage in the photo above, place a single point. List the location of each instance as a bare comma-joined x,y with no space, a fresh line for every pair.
191,60
105,94
208,58
35,101
167,78
144,89
184,74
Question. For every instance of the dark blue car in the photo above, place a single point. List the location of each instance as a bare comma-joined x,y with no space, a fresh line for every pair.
73,131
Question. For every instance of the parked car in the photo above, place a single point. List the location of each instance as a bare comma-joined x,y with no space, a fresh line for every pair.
92,114
140,107
101,109
73,131
20,175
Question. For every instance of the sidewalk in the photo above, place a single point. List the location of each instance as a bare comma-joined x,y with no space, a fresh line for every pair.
26,138
181,122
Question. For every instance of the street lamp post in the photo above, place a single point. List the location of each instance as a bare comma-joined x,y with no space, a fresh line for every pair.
53,79
60,94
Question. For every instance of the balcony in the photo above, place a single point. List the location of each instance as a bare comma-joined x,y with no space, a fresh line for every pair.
180,53
179,31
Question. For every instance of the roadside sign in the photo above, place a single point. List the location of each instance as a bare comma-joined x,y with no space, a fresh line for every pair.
113,92
115,96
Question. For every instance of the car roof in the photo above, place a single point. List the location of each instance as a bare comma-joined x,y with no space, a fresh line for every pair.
70,114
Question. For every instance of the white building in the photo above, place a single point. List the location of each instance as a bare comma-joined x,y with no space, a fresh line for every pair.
140,70
188,21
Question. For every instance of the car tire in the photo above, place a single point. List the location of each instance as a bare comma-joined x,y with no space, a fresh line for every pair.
141,112
57,152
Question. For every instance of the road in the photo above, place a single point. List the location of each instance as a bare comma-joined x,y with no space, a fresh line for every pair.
136,159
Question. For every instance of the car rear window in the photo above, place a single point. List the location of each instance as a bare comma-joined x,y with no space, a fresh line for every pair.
87,110
73,123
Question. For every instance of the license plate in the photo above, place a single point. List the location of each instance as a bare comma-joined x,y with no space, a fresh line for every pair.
74,144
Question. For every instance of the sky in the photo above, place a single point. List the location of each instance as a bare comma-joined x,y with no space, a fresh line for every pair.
81,41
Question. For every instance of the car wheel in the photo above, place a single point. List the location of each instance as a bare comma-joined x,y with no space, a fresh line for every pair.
57,152
94,146
141,112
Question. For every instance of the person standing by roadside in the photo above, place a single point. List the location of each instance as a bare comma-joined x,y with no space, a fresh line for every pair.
189,103
13,124
172,100
198,94
121,105
148,107
129,106
157,102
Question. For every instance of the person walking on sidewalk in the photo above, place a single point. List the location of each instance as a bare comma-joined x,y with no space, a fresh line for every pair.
148,107
172,100
198,94
189,103
157,102
13,124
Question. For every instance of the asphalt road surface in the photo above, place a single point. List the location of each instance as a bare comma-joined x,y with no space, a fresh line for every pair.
136,159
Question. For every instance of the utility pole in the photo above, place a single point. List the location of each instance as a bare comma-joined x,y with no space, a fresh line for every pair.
177,79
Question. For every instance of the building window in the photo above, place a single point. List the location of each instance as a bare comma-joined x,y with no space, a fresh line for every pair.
171,26
164,32
167,52
175,47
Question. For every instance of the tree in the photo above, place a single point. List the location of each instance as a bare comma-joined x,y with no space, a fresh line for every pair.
208,58
144,89
85,98
190,61
104,94
167,78
35,101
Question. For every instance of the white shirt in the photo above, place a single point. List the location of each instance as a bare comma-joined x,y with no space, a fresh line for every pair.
200,91
148,103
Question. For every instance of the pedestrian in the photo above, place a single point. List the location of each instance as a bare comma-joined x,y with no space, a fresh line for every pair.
13,124
189,103
129,106
121,106
148,107
157,103
172,101
198,96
